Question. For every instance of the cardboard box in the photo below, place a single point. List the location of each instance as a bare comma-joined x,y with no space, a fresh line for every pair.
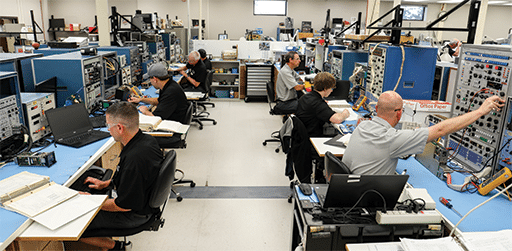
73,27
417,110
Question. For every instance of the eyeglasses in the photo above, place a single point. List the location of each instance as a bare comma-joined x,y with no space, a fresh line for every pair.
400,109
111,125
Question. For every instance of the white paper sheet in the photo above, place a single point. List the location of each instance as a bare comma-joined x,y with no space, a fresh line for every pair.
353,115
43,200
439,244
66,212
495,241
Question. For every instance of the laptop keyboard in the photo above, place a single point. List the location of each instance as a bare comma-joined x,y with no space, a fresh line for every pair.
77,138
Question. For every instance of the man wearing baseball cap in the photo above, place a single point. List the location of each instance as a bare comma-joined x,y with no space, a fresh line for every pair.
171,103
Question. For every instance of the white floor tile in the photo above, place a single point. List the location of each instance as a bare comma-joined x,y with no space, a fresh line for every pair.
228,154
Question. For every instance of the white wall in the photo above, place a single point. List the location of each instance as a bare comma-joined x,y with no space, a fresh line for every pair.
21,9
498,21
235,16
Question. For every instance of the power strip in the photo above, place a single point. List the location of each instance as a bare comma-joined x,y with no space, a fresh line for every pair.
403,217
414,193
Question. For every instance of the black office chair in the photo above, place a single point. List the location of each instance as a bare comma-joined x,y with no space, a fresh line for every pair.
182,143
182,180
271,99
157,199
200,116
205,100
333,165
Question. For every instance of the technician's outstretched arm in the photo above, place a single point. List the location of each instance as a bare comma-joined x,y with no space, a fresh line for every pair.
454,124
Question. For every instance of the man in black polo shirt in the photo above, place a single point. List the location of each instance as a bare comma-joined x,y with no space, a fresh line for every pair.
196,78
139,165
313,111
205,59
171,103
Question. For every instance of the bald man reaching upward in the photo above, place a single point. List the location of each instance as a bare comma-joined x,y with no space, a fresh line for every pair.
375,145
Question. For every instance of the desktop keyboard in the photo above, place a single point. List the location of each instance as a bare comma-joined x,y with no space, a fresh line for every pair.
79,185
98,121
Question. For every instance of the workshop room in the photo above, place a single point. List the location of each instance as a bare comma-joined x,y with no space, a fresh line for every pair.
299,125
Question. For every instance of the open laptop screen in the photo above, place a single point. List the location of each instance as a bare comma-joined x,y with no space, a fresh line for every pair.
345,190
68,120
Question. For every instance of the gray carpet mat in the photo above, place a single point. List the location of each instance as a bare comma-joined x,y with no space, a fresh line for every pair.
234,192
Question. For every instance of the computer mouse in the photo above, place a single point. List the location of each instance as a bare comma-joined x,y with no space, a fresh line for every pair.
305,189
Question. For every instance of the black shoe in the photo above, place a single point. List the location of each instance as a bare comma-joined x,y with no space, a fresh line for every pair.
123,246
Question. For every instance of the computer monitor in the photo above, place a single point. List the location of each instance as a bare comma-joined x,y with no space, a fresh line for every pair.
57,23
6,87
346,189
414,13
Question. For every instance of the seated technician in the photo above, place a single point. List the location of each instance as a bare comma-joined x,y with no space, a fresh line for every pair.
454,47
196,78
288,84
205,59
139,165
376,145
171,103
312,109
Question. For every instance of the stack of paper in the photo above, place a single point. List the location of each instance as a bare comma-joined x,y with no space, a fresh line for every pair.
495,241
440,244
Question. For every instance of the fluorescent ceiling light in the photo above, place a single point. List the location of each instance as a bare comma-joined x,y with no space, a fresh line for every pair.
415,1
496,2
508,4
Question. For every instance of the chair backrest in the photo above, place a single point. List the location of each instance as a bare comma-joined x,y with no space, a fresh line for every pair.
163,184
333,165
189,114
271,95
209,80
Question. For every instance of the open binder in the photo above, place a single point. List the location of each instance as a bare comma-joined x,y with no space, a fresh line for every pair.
155,123
31,194
46,202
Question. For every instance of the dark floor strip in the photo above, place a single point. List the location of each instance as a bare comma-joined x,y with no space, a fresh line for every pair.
231,192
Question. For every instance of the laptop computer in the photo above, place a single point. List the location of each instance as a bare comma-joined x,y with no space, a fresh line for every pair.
346,189
71,126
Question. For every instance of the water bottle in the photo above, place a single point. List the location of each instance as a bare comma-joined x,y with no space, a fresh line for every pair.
231,93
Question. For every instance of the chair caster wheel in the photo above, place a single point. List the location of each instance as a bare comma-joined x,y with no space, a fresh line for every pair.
200,128
192,184
214,122
277,150
290,199
264,143
179,198
291,185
